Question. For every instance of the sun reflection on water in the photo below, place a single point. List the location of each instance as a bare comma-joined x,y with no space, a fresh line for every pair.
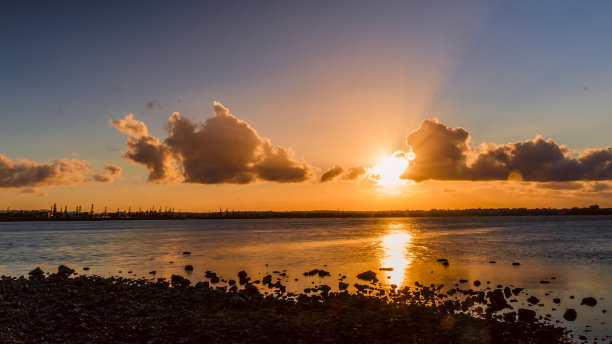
396,246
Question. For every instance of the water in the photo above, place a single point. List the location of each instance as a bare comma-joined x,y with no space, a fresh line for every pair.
573,253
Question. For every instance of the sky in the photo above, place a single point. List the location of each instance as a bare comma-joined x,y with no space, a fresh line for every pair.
272,105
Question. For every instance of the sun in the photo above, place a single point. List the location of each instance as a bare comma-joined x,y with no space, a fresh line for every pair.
388,171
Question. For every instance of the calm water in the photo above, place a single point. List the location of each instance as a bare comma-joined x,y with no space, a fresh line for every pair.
576,251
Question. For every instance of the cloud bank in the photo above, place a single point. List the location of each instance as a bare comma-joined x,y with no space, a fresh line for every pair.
223,149
441,153
21,173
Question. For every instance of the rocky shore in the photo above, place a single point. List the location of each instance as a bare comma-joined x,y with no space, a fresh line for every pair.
67,308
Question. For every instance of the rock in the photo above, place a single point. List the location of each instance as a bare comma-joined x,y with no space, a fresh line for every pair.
188,268
342,286
589,301
533,300
323,273
516,264
238,302
463,281
368,276
510,317
242,277
231,282
517,291
64,271
267,279
86,268
507,292
36,273
476,283
492,262
386,269
526,315
214,280
497,301
361,287
544,282
557,300
442,260
179,281
570,315
186,252
324,288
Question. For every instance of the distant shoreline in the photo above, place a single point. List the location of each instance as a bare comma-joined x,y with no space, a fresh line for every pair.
30,215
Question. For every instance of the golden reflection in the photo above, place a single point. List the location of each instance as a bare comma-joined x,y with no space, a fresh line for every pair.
396,246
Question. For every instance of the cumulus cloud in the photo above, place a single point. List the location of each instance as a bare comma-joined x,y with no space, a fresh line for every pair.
442,152
223,149
21,173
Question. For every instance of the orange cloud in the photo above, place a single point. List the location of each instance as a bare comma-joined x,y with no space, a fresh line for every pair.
223,149
21,173
441,153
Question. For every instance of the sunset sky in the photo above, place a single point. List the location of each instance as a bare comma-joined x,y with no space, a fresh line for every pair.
273,105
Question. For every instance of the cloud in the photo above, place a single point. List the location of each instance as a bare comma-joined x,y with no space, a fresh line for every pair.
33,191
598,187
561,185
441,153
21,173
223,149
331,173
108,174
354,173
153,105
351,173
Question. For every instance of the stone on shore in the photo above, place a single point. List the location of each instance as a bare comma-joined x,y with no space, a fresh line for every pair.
368,276
570,315
589,301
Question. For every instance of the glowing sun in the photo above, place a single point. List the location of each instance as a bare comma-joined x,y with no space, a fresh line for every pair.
388,171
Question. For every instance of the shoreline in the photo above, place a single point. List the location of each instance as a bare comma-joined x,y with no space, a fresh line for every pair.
32,216
60,307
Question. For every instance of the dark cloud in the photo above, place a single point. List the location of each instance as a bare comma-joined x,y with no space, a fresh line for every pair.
351,173
154,104
147,150
561,185
442,153
223,149
331,173
21,173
